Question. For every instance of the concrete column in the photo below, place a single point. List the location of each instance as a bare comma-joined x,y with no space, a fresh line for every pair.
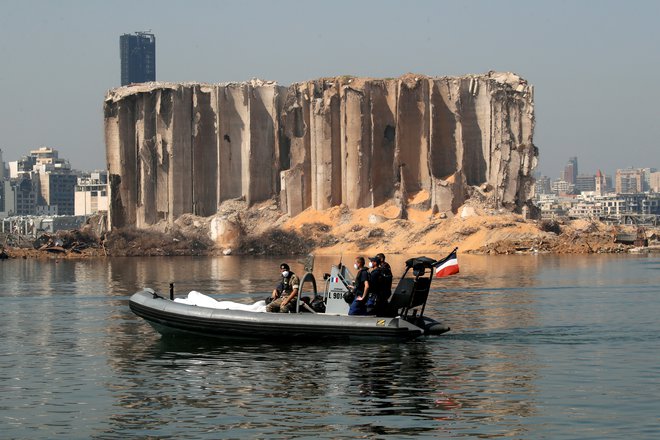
296,120
125,170
113,154
412,134
233,137
164,105
475,117
444,127
145,132
325,148
356,147
261,152
293,190
180,150
204,150
383,102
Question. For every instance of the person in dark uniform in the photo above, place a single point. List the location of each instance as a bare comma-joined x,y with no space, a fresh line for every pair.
360,288
380,282
284,296
384,264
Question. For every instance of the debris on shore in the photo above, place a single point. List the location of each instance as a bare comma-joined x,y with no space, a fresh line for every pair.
262,229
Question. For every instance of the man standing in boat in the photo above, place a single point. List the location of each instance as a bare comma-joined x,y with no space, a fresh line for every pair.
285,294
380,286
360,289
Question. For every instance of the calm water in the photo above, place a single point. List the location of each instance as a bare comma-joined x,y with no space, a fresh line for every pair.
540,347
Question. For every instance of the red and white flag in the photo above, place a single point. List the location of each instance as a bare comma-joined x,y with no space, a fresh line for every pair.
447,266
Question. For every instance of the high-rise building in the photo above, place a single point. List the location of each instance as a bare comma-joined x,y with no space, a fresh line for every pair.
138,57
571,171
629,181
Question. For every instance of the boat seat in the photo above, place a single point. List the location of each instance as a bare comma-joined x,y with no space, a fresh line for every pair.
402,294
409,293
420,292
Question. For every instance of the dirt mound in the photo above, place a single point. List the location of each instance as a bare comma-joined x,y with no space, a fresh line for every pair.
263,229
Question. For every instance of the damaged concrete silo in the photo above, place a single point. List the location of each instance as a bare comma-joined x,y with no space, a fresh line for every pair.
185,148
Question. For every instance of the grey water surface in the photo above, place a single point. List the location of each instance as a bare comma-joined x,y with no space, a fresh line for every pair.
541,347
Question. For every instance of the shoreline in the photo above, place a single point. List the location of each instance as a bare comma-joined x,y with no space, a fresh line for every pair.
262,229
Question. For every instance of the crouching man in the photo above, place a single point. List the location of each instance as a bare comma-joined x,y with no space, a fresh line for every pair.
285,295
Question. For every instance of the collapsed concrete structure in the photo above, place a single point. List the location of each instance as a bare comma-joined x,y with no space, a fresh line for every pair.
186,148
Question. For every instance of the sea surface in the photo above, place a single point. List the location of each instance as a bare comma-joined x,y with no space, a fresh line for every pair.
556,347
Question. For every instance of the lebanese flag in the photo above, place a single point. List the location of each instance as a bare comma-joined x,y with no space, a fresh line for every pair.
447,266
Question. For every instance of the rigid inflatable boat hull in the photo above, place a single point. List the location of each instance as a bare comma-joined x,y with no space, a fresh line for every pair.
172,318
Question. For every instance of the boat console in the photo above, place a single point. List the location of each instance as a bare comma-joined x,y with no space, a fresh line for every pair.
408,299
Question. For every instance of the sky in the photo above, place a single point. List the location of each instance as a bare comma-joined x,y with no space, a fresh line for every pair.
594,64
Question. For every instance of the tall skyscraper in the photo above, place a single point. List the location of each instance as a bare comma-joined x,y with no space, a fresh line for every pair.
571,170
138,57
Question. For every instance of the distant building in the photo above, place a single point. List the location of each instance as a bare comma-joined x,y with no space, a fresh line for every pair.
57,182
561,186
654,181
600,181
57,190
542,185
92,193
138,57
570,171
629,181
21,196
585,182
44,156
5,185
2,167
646,177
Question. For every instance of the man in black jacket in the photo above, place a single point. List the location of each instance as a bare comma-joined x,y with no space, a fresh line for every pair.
380,287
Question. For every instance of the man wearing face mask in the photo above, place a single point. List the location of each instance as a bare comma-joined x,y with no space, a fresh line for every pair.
285,294
361,288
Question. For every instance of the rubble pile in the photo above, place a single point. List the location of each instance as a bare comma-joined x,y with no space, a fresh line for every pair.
74,243
262,229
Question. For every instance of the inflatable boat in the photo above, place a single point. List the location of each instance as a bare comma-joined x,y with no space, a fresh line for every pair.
318,317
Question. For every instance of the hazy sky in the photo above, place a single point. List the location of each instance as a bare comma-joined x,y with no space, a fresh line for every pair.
594,64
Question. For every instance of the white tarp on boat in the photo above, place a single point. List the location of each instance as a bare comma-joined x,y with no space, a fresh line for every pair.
195,298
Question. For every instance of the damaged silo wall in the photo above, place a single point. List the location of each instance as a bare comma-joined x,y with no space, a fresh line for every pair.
185,148
325,146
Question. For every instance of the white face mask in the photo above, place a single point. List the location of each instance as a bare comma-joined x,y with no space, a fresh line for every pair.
285,273
356,266
371,265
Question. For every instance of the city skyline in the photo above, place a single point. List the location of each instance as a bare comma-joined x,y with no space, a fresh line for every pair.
591,67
